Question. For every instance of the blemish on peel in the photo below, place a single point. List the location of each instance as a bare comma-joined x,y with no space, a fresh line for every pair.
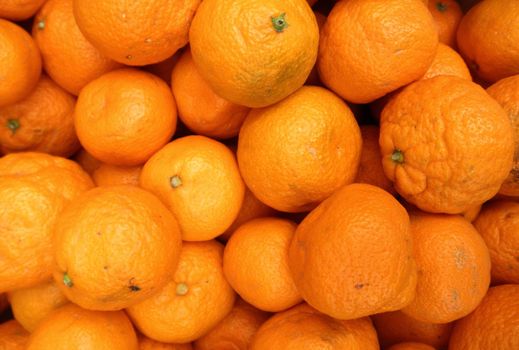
67,280
134,288
460,258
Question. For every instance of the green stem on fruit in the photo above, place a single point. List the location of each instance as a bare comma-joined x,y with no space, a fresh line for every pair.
397,156
175,181
67,280
442,7
13,125
279,22
181,289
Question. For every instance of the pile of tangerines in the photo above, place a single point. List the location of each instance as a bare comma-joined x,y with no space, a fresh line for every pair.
342,176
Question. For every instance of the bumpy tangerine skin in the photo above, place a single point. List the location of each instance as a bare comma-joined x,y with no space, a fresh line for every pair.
498,224
447,15
261,245
235,331
370,48
370,167
251,208
13,336
447,62
21,63
68,57
31,305
45,122
113,175
28,214
199,107
117,246
296,153
395,327
71,327
304,328
125,116
506,92
17,10
490,53
136,33
244,58
36,187
356,243
63,177
453,264
208,300
494,323
455,140
199,181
